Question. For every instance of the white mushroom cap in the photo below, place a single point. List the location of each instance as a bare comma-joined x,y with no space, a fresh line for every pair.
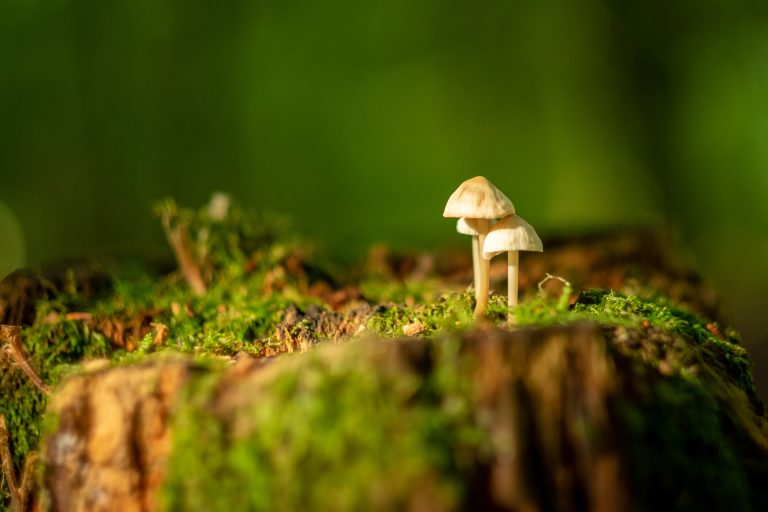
511,234
478,198
469,227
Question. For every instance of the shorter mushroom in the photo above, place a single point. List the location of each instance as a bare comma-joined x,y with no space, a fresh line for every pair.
511,235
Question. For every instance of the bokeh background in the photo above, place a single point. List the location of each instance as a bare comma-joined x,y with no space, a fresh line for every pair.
359,118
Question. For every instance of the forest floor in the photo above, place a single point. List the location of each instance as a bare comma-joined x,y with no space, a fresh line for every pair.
672,381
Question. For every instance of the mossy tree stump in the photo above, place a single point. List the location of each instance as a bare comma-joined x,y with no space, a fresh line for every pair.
281,387
559,418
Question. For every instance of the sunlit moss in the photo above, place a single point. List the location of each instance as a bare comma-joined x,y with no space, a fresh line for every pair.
334,431
53,350
235,315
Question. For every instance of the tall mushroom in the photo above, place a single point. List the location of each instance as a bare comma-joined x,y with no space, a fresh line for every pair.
478,201
511,235
469,227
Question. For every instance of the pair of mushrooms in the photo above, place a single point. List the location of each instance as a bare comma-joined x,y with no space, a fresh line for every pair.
477,203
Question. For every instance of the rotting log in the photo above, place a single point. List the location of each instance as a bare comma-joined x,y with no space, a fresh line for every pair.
557,418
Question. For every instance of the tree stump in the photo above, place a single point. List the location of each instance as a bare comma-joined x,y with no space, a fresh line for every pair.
557,418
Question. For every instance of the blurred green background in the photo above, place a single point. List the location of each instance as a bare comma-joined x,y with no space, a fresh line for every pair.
358,119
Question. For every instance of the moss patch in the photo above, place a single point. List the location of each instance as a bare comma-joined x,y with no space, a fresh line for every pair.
341,433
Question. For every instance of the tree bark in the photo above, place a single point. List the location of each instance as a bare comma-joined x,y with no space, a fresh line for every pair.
112,439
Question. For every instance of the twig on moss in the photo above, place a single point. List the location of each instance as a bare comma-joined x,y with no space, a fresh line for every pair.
11,335
549,277
178,238
565,296
20,492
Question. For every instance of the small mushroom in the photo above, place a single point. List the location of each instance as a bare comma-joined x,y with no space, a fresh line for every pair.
511,235
477,201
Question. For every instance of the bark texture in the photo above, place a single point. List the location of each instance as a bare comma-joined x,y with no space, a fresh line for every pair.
109,449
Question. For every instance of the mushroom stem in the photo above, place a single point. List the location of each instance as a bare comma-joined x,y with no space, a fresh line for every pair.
477,258
483,286
512,266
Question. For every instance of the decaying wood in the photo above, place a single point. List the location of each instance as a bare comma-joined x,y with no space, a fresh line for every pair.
300,330
112,440
541,388
11,335
19,490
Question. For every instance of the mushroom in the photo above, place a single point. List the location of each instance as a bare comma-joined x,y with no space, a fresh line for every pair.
511,235
477,201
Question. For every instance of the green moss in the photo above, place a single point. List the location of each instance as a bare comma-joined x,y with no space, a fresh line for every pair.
451,312
235,315
53,350
714,357
361,433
